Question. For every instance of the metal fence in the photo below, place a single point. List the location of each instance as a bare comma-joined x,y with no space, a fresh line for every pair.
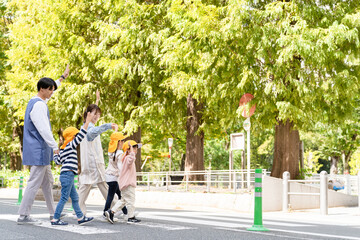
209,181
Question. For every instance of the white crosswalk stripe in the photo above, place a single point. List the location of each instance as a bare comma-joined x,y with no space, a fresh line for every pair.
68,228
212,219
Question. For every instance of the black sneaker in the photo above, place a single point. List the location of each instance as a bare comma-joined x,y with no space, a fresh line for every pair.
133,220
85,220
59,222
110,216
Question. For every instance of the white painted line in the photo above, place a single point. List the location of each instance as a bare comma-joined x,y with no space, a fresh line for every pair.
222,218
296,232
85,230
164,226
169,227
264,233
194,221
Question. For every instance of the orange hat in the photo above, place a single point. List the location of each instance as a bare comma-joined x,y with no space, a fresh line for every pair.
69,134
127,144
114,138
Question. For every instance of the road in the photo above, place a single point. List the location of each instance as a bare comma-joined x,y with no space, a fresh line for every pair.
169,224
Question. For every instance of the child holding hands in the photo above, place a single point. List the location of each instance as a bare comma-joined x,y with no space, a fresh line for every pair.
127,182
68,158
112,171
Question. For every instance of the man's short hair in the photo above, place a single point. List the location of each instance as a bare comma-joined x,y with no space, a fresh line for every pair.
46,83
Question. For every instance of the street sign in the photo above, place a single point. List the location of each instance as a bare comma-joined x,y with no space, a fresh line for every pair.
170,142
237,141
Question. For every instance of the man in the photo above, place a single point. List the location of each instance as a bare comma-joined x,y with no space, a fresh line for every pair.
38,148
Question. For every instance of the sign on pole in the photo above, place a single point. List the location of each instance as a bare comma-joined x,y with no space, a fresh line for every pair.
237,141
247,111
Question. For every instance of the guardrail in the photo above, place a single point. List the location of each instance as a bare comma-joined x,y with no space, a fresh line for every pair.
200,180
323,193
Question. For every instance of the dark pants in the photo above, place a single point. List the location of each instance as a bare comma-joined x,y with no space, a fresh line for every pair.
113,188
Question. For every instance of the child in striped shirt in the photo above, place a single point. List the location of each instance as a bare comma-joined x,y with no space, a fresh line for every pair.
68,158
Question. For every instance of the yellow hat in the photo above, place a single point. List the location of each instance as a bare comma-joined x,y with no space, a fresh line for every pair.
127,144
114,139
69,133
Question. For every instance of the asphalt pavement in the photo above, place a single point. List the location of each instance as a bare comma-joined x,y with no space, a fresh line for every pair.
170,223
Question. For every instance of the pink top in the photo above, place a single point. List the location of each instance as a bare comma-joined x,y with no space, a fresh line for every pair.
128,171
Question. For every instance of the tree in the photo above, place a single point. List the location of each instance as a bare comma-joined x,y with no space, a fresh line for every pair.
11,132
297,60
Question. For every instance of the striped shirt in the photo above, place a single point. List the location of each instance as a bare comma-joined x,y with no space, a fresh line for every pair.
68,156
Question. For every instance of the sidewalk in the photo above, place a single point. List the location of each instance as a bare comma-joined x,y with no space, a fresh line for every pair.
341,216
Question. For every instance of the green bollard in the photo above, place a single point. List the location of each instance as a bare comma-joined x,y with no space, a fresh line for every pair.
21,186
258,223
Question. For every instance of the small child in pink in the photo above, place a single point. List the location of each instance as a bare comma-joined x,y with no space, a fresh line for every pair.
127,182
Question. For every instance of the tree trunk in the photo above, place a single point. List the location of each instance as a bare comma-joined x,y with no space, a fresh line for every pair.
286,150
182,164
194,160
334,163
347,159
137,138
15,157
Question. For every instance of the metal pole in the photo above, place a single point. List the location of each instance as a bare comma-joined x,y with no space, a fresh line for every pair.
230,167
323,193
242,178
208,181
347,184
359,191
234,181
167,181
248,158
286,177
170,159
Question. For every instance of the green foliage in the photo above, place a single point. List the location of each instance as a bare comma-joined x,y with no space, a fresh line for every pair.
355,163
12,178
300,59
216,153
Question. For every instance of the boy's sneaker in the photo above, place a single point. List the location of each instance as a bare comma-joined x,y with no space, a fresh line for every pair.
85,220
59,222
133,220
110,216
27,220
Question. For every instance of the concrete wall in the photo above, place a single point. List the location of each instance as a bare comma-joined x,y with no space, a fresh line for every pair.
272,196
239,202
